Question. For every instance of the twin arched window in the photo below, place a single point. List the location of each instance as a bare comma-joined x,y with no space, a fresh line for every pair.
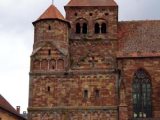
142,106
83,29
100,28
97,28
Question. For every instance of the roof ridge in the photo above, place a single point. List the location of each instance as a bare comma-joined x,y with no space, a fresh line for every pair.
130,21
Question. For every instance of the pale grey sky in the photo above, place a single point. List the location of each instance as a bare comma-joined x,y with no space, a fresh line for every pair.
16,38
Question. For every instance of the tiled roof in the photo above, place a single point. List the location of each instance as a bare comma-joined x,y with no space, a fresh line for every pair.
51,13
4,104
91,3
139,38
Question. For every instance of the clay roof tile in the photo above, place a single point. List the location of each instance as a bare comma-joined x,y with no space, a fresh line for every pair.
51,13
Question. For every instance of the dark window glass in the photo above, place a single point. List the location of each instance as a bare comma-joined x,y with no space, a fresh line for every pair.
97,28
84,30
103,28
78,28
142,107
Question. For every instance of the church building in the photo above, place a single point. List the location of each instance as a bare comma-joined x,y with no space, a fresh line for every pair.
91,66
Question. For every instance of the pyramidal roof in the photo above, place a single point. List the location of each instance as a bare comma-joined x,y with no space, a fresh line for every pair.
51,13
91,3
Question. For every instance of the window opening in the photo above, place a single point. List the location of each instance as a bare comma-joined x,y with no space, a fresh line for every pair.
97,93
90,14
78,28
97,28
75,14
48,89
49,27
84,30
85,94
142,107
103,28
49,52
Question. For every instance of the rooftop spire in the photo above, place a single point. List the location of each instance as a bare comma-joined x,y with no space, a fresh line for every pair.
52,2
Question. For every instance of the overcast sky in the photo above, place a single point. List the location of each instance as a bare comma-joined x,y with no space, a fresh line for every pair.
16,39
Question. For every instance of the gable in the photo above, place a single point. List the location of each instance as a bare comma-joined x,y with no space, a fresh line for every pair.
55,48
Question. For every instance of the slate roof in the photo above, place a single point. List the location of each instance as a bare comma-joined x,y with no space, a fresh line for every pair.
139,38
91,3
5,105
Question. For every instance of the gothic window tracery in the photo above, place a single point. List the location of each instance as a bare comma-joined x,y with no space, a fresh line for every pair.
142,106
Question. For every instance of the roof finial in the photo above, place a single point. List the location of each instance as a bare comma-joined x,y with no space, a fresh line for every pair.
52,2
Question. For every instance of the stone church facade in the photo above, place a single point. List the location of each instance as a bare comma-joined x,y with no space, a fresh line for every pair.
90,66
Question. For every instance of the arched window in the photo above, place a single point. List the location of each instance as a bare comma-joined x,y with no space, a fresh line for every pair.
84,28
78,28
52,64
60,64
142,106
103,28
97,28
44,64
36,65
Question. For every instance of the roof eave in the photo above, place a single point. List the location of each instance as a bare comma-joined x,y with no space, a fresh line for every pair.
16,114
51,19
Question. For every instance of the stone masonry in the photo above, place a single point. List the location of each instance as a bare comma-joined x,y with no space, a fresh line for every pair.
80,68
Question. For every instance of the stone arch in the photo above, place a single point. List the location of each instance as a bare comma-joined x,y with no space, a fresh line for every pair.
52,64
44,64
36,65
100,25
60,64
141,94
81,26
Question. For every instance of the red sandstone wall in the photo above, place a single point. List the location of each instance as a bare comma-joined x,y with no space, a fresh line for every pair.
152,66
